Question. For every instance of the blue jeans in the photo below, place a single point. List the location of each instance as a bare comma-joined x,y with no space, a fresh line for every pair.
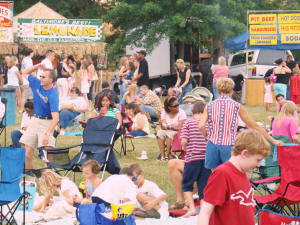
135,133
215,91
288,94
149,109
216,155
122,90
15,138
65,117
90,94
185,90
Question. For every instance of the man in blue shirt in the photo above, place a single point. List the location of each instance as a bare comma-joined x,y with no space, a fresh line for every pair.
45,100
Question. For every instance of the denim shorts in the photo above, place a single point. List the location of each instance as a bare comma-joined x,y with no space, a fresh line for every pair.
195,171
216,155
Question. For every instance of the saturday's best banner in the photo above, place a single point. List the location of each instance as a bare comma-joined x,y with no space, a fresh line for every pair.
266,29
59,30
6,21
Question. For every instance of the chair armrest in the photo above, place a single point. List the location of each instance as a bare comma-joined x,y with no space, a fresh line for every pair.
12,181
266,180
58,149
294,183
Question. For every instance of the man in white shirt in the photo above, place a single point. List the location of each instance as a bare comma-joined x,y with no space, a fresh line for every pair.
47,62
151,199
27,115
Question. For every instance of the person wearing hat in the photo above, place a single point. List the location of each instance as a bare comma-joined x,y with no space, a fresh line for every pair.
143,73
106,89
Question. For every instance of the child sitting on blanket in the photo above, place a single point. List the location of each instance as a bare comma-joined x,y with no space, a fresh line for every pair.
194,143
90,169
151,199
51,182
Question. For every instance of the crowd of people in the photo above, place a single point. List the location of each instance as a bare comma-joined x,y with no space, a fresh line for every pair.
215,153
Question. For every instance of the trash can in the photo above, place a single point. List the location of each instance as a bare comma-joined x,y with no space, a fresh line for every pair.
10,95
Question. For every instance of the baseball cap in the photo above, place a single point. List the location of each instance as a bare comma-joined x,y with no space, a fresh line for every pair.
142,52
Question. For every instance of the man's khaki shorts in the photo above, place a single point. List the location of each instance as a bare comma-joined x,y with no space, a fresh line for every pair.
35,133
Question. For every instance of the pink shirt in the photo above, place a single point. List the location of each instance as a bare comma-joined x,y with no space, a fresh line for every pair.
219,71
278,107
173,122
288,127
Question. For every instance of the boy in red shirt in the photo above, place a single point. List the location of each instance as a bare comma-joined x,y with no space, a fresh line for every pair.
228,196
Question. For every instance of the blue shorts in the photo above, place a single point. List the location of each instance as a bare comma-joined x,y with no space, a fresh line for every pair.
195,171
216,155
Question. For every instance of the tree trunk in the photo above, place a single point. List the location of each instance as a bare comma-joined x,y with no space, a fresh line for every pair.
181,50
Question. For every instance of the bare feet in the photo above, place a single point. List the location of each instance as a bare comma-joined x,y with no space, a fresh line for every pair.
189,213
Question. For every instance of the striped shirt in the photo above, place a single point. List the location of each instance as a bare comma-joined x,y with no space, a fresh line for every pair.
196,142
112,112
223,120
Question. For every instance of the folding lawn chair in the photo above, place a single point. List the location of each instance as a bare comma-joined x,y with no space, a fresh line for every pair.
98,141
269,169
267,217
12,161
3,121
286,198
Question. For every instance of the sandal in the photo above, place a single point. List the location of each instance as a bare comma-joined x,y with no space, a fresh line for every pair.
177,205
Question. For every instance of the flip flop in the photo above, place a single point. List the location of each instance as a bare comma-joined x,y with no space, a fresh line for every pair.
177,205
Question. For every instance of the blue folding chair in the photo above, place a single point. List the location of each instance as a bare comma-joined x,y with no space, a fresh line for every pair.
12,162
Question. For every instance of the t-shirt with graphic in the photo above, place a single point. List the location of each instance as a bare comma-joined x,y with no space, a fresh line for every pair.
229,190
44,101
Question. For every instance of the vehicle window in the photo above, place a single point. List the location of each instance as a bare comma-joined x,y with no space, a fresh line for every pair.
268,57
238,59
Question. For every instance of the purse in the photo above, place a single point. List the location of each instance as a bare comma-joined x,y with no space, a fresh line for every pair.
273,77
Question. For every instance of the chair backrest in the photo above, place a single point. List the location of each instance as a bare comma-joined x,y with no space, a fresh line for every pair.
267,217
12,161
271,168
289,161
99,133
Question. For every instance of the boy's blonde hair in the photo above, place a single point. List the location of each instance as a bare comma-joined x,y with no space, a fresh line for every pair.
136,168
253,141
288,109
49,182
93,164
225,85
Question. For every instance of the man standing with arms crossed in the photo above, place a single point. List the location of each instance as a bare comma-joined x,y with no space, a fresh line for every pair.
45,101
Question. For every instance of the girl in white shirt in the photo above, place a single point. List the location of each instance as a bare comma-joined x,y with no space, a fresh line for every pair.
14,79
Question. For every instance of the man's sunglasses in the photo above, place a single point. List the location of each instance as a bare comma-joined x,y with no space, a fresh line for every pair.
42,77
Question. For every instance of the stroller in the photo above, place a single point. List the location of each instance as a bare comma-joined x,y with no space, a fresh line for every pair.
98,140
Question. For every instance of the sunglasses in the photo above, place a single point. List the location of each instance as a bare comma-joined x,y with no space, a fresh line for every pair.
174,106
135,178
42,77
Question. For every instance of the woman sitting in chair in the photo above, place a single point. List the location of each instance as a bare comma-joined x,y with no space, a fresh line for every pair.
140,125
172,119
131,94
285,123
71,107
106,107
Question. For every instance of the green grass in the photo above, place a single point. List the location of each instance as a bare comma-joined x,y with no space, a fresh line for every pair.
153,169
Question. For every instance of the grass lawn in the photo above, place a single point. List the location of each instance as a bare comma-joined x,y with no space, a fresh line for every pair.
153,169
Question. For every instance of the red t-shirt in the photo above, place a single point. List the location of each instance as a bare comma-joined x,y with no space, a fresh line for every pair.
230,191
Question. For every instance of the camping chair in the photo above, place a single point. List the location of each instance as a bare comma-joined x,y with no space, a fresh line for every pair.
98,140
268,170
12,161
3,121
267,217
74,124
286,198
